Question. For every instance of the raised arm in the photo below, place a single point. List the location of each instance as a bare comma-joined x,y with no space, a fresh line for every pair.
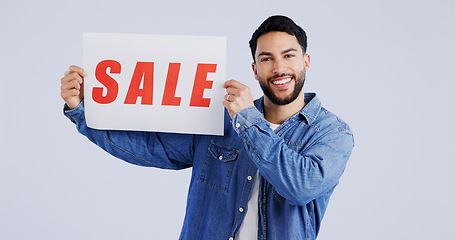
299,176
162,150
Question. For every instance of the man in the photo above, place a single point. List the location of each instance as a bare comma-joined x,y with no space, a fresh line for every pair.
272,173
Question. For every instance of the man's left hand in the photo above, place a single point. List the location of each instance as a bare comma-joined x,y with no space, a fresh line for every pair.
238,97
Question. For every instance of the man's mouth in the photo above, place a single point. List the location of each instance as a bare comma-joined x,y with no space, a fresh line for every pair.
282,81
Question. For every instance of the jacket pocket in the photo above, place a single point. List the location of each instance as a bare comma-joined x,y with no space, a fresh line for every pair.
217,169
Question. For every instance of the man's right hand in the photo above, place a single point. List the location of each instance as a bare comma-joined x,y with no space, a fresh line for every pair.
72,88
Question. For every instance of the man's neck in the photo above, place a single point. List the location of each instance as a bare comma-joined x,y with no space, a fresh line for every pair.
279,113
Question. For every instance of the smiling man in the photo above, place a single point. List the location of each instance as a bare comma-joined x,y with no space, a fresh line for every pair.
286,65
271,175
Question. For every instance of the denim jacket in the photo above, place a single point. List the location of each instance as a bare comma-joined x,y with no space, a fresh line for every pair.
300,164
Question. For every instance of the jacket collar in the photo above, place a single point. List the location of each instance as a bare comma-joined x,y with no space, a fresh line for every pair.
309,112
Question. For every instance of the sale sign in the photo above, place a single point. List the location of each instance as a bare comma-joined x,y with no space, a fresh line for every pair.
160,83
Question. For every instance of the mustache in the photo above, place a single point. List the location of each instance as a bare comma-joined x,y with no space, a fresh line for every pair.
280,75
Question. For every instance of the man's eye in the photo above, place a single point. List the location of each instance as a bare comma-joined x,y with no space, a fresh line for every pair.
265,59
289,55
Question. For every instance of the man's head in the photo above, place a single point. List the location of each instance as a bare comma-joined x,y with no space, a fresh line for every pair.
278,24
280,62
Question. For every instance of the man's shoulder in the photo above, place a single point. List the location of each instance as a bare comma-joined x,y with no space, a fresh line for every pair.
330,120
322,118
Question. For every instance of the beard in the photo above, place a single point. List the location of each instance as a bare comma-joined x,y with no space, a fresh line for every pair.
288,99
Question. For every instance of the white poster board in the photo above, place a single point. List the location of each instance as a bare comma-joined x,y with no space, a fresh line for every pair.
161,83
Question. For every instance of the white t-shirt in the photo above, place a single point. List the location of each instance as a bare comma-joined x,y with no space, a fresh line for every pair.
249,228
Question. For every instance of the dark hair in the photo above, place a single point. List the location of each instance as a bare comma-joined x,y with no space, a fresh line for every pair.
279,23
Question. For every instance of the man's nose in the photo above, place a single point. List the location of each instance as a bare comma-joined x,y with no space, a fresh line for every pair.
279,66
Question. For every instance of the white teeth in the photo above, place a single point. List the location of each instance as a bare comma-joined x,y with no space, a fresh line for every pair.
282,81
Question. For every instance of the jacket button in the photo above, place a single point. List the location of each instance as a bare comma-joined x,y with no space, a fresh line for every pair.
221,157
231,238
249,178
240,209
237,125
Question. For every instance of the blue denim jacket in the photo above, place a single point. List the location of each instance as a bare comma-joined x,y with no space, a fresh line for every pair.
300,164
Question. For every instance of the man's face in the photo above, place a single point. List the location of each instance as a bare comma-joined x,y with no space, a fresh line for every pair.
280,67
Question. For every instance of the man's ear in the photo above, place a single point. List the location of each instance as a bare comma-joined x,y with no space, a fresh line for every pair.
255,70
306,59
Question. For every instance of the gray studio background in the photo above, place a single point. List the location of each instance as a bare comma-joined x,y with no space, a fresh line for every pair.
386,67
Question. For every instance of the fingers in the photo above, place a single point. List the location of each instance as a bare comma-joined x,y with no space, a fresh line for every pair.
73,78
235,88
75,69
69,95
72,86
238,97
228,97
233,84
74,73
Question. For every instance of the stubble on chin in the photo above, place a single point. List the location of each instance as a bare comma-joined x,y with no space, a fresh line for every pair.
283,101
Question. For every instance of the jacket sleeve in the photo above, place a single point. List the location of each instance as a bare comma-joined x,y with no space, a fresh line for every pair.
149,149
298,177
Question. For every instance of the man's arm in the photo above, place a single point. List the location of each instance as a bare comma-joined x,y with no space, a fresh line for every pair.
162,150
298,177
